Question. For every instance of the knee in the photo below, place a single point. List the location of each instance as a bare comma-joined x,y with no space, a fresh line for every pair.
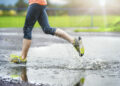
49,30
27,33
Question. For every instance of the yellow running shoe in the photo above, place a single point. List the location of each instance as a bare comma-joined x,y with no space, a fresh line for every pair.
17,59
79,46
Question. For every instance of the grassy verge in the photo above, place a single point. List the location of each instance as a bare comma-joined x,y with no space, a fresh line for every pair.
61,21
97,30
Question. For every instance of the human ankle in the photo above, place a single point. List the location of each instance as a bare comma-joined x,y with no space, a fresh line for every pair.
23,57
73,41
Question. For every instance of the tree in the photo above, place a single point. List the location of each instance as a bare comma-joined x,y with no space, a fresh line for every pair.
2,6
20,5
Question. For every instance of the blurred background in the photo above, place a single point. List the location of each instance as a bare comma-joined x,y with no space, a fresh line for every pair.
52,60
83,15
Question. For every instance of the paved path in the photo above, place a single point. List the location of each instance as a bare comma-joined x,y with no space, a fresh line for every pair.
54,62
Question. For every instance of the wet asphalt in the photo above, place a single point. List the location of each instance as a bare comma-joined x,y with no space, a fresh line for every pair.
52,61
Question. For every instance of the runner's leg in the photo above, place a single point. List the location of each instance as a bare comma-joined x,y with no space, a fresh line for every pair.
31,18
64,35
43,21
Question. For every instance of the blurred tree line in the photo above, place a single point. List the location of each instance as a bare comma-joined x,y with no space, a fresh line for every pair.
70,4
80,7
21,4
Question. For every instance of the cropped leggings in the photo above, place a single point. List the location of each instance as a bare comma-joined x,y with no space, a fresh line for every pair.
38,13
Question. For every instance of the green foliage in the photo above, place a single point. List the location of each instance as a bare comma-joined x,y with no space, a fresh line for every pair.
8,13
12,13
113,26
2,6
1,12
21,4
96,30
116,26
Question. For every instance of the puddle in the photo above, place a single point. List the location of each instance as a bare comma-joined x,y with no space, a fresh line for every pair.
53,62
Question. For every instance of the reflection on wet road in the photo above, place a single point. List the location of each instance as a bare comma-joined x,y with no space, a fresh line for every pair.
19,72
54,62
47,77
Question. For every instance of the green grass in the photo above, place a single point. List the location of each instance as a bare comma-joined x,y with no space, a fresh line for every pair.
55,21
61,21
98,30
